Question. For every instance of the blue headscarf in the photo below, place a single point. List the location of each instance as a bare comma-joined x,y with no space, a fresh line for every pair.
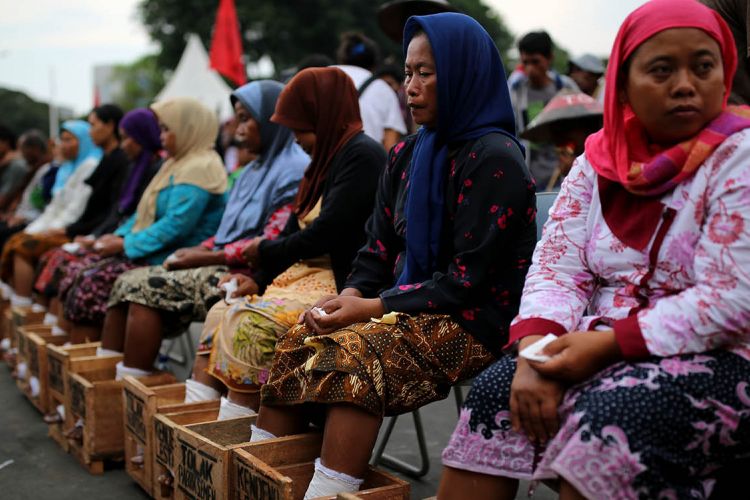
473,101
86,150
272,179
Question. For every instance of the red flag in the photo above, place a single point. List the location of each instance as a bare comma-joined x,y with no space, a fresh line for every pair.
226,44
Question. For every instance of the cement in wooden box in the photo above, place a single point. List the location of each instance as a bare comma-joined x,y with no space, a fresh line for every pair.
142,403
37,388
165,447
60,360
203,457
281,469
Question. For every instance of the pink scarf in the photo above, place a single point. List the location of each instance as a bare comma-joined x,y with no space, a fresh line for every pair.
619,152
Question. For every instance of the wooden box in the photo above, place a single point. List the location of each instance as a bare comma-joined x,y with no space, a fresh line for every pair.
95,397
165,445
37,337
142,402
26,316
281,469
203,457
20,317
59,362
6,319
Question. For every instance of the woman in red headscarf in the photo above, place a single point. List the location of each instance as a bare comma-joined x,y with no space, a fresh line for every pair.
643,277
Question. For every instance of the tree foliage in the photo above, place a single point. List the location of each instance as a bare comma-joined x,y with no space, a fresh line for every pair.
21,112
287,30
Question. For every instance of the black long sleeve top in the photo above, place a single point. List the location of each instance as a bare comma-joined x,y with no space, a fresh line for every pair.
347,200
105,181
488,237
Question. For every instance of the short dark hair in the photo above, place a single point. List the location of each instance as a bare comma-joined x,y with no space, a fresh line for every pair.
536,42
110,113
314,61
8,136
34,139
357,50
392,70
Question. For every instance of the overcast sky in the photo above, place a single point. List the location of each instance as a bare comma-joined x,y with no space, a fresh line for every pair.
46,41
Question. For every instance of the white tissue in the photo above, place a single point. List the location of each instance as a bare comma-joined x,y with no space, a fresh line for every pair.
34,386
71,247
320,311
37,308
230,287
98,245
5,344
171,258
534,351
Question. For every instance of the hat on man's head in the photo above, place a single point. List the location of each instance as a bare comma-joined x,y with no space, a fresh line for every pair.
571,109
590,63
392,16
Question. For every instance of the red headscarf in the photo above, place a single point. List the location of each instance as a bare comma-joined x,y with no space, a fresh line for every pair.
324,101
612,150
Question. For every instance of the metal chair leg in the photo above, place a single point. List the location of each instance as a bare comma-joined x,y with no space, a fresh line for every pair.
380,458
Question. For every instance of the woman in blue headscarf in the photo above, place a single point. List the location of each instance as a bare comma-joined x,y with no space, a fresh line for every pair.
70,198
433,291
157,301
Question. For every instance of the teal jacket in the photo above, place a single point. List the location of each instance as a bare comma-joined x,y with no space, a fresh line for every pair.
186,215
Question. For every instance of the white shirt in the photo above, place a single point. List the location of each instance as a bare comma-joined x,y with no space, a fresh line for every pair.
378,104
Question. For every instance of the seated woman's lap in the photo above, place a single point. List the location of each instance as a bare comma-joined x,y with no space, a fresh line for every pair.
382,368
659,422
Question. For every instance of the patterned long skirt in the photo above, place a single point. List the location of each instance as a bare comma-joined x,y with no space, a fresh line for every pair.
241,338
660,428
85,301
28,246
58,266
385,369
182,296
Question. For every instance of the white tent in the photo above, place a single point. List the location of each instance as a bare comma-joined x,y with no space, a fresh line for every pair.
194,78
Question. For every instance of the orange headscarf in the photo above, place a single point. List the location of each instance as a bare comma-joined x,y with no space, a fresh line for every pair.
323,101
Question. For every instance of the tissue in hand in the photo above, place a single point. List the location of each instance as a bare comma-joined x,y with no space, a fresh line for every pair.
71,247
320,311
230,287
534,351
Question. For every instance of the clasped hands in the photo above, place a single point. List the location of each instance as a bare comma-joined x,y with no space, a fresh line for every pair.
538,388
341,310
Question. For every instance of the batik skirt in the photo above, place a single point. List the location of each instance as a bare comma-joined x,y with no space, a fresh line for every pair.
183,296
30,247
386,367
85,300
660,428
241,338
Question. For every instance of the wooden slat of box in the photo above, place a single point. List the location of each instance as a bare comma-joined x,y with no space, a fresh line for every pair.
165,443
59,360
39,365
203,457
95,396
142,402
281,469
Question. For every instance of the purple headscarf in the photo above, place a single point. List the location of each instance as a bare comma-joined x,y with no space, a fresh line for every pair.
142,126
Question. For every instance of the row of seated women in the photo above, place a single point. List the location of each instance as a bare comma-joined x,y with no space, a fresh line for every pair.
367,286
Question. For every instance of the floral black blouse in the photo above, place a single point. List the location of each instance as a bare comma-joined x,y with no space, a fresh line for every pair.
488,236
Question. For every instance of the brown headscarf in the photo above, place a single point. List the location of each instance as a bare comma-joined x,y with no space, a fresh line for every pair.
195,161
323,101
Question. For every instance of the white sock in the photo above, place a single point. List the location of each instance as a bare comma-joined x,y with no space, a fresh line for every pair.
121,371
228,409
258,434
50,319
57,331
34,386
328,482
196,391
100,351
18,301
22,370
5,344
6,291
37,308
